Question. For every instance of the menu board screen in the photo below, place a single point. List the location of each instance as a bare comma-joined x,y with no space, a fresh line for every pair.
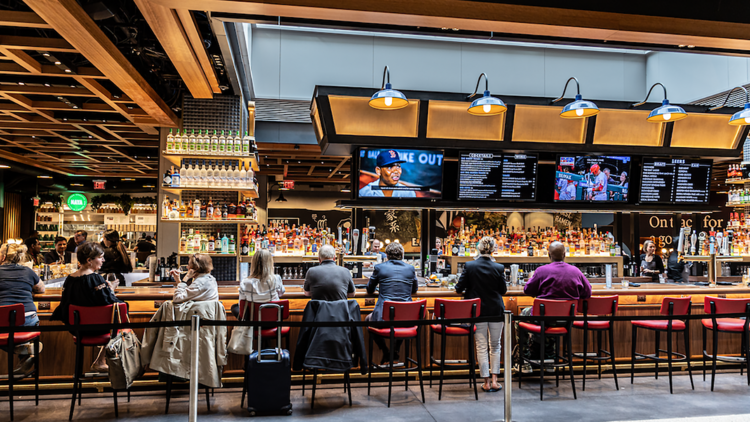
675,181
497,176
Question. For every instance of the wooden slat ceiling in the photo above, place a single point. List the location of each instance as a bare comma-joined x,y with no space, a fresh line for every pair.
88,120
303,165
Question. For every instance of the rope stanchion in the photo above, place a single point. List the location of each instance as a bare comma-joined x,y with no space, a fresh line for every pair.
195,345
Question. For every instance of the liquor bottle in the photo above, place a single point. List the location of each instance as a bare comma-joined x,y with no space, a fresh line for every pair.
214,144
229,148
242,178
223,174
222,144
199,142
170,142
189,210
197,209
167,178
186,174
204,244
183,243
251,249
211,244
177,142
217,212
244,246
210,209
175,178
207,143
232,210
191,142
246,144
203,212
165,208
201,171
174,213
232,244
224,211
237,144
236,174
183,210
225,244
209,178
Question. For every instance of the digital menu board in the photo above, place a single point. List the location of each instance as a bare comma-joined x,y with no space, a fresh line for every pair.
497,176
675,181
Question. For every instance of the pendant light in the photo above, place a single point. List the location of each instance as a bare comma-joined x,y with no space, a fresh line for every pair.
742,117
388,98
666,112
578,108
486,105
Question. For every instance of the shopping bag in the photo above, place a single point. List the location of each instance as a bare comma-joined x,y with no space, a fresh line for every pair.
123,353
241,342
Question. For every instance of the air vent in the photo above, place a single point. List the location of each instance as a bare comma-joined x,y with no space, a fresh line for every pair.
283,111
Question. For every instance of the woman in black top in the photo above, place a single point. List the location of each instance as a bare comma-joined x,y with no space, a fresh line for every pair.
485,279
87,288
116,259
651,263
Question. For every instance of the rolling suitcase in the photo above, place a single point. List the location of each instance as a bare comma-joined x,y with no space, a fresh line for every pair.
269,380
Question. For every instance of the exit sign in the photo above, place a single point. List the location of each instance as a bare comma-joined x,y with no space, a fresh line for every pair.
289,184
99,184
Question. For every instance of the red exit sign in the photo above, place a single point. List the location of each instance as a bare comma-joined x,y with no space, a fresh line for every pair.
289,184
99,184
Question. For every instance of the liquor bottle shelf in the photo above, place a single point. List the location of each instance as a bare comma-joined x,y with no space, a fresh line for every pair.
208,253
737,205
248,193
177,158
196,220
737,181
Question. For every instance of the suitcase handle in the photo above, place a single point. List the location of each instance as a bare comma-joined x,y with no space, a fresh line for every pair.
278,331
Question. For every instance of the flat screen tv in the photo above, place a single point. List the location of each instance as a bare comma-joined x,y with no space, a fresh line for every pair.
675,181
497,176
400,173
592,178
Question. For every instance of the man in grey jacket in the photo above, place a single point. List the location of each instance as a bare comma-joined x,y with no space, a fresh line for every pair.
328,281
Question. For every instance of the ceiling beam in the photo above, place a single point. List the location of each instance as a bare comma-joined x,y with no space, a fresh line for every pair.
36,43
13,68
22,20
196,40
22,59
338,167
34,163
69,19
174,40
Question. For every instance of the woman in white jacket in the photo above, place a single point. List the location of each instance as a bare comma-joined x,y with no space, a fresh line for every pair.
203,286
263,285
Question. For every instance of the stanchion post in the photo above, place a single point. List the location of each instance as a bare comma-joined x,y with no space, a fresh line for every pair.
193,408
508,359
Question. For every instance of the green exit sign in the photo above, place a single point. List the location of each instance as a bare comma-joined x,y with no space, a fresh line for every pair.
77,202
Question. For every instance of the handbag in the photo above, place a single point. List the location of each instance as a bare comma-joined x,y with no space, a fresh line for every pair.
241,342
123,353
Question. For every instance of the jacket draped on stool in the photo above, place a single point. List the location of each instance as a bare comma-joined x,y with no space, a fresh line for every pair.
332,348
167,349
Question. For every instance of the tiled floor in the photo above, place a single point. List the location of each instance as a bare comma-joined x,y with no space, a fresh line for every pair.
647,399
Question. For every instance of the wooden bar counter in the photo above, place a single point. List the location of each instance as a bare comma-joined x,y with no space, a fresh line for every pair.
57,358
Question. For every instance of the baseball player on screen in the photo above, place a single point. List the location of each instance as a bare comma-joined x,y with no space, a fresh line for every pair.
388,169
599,189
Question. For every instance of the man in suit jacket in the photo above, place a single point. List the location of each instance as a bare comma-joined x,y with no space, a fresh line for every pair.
398,281
59,253
328,281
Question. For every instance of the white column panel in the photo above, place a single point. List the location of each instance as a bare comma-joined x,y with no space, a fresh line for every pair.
511,70
634,73
264,60
418,65
601,74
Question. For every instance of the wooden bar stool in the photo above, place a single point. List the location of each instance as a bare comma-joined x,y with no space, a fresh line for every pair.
90,315
716,305
12,316
673,307
454,309
400,311
547,307
597,306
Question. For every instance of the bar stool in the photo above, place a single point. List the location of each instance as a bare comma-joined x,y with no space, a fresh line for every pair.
454,309
90,315
716,305
400,311
597,306
673,307
12,316
547,307
268,314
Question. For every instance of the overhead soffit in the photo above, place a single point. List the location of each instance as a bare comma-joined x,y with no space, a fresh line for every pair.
543,124
627,128
706,131
354,116
449,120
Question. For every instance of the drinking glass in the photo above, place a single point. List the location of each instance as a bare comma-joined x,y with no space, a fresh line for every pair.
112,280
183,269
625,284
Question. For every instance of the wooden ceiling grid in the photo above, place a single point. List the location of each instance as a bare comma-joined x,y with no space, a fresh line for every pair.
303,165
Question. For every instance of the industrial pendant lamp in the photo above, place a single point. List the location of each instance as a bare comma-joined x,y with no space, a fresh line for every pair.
486,106
742,117
578,108
666,112
388,98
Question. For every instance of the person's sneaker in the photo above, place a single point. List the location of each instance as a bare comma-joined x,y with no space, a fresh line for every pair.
27,349
526,368
25,369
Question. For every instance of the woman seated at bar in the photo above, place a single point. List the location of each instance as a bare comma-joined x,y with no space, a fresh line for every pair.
651,263
87,288
203,287
263,285
116,259
485,279
17,284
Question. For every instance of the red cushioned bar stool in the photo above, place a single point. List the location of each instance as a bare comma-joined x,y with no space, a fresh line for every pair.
548,308
454,309
269,314
597,306
714,306
90,315
400,311
673,307
12,316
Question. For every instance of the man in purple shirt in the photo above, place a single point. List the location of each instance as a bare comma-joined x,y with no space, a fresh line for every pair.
556,280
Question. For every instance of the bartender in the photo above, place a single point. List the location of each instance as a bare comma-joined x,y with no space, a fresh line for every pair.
651,263
375,250
675,266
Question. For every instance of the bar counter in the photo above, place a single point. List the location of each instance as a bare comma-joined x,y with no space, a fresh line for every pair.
58,355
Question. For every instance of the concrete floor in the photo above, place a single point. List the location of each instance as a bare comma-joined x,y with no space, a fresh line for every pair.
647,399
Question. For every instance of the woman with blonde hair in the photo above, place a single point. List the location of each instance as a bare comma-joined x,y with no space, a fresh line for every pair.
203,286
263,285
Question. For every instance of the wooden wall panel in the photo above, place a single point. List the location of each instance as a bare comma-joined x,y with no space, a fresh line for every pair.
11,216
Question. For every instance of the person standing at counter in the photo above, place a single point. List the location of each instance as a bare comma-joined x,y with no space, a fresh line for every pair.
485,279
116,259
77,240
87,288
675,266
651,263
17,284
397,281
328,281
59,254
203,287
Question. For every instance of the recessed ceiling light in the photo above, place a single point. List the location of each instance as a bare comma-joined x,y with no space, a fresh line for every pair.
47,85
76,184
68,71
4,166
44,177
127,179
21,83
149,186
346,190
45,54
58,63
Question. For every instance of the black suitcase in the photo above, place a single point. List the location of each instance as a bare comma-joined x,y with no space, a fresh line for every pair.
269,380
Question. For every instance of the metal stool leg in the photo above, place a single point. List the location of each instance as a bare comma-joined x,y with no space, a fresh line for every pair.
669,358
169,394
369,372
442,362
656,352
704,354
419,365
36,369
315,382
585,354
76,377
612,354
348,383
390,369
687,353
715,351
599,351
10,369
570,363
633,338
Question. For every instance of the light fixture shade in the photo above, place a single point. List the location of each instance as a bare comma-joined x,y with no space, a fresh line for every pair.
741,117
666,113
487,106
388,99
579,109
281,197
